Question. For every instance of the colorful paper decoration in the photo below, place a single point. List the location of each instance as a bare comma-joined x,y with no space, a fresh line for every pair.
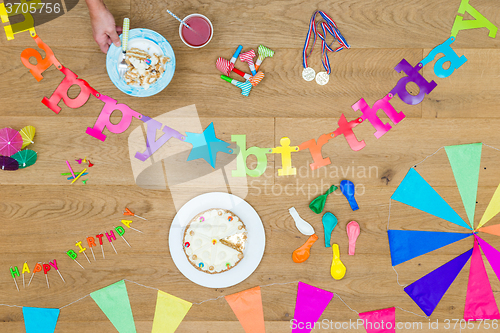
379,321
247,306
479,20
315,150
409,244
114,302
241,159
337,269
415,77
370,114
206,145
427,291
40,320
416,192
169,312
10,141
153,144
465,161
318,204
286,157
8,163
329,223
248,58
353,231
104,121
493,229
348,190
310,304
264,52
480,303
27,133
41,64
449,56
492,254
492,210
345,127
245,87
27,24
302,253
25,158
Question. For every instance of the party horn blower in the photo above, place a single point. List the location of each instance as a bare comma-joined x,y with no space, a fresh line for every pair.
264,52
244,86
248,58
222,65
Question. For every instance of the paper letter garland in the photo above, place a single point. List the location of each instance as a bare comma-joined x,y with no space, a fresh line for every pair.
311,303
40,320
480,302
113,301
169,312
247,306
379,321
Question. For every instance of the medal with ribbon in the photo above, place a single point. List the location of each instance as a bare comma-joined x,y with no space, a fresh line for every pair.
327,26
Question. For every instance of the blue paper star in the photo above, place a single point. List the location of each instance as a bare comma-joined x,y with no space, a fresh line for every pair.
206,145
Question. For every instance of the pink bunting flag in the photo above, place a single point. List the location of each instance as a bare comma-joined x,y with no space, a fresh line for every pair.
480,303
492,254
379,321
310,304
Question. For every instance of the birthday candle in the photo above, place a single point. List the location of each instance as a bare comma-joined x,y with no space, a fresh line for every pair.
127,224
110,236
54,264
120,231
46,269
25,269
128,212
72,254
100,236
14,272
69,166
91,242
38,268
82,249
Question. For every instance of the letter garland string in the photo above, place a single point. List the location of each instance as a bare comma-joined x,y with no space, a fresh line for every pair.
329,26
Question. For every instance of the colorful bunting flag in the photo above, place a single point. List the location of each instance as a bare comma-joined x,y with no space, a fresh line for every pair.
379,321
465,162
206,145
247,306
310,304
492,229
409,244
492,209
114,302
40,320
427,291
416,192
492,254
169,312
480,303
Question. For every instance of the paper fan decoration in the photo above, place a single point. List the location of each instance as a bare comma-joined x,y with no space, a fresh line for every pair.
405,245
10,141
25,158
27,133
8,163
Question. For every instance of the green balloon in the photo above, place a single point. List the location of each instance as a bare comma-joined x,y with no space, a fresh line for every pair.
318,204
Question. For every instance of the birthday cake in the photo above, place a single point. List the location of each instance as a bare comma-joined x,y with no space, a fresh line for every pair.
214,240
143,69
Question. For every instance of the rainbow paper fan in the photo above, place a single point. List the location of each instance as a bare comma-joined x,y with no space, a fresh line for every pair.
405,245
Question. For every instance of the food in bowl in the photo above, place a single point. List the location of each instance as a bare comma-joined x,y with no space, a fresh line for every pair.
144,69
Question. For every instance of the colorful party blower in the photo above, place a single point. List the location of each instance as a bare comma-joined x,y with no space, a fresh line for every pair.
310,305
169,312
248,58
40,320
244,86
247,306
114,302
223,65
264,52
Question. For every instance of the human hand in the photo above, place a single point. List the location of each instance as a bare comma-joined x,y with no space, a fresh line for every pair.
104,29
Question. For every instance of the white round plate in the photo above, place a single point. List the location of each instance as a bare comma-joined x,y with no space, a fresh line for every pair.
254,248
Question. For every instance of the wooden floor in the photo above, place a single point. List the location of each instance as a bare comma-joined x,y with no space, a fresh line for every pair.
42,215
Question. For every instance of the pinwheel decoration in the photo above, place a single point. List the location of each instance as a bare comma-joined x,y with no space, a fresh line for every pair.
405,245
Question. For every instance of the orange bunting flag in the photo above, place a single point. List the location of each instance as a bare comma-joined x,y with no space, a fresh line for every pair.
247,306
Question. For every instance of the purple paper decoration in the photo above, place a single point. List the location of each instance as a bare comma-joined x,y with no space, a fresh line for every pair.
310,304
103,120
492,254
427,291
152,145
370,114
449,56
415,77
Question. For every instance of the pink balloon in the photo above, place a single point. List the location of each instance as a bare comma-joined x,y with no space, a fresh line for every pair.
353,231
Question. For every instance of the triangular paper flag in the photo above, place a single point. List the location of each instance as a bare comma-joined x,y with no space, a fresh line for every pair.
492,254
492,209
379,321
465,162
247,306
416,192
480,303
113,301
40,320
492,229
409,244
428,290
169,313
310,304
